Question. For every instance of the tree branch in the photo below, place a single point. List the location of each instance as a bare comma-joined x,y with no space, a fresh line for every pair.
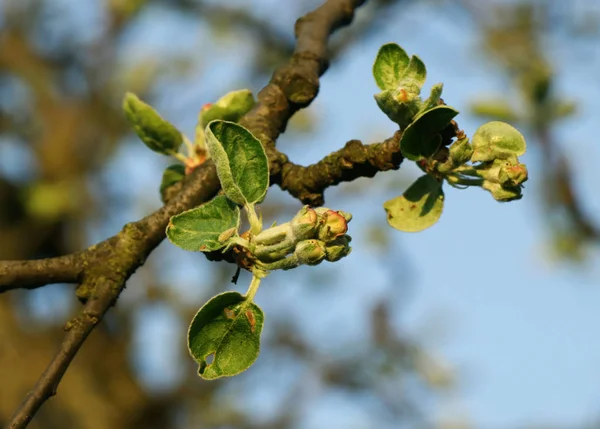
113,261
354,160
40,272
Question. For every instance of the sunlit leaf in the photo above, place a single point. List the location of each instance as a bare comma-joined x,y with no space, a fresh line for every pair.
390,63
158,134
418,208
224,336
201,228
241,161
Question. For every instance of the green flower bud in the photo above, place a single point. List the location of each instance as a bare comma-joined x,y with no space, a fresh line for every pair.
461,151
506,172
304,224
338,248
513,175
275,252
502,193
310,252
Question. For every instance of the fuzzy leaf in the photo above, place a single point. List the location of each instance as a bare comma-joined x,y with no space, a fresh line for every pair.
158,134
418,208
399,112
497,140
172,174
434,97
415,73
231,107
200,228
390,63
227,328
241,161
421,138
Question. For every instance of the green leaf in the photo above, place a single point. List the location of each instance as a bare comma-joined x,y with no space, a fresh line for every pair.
398,111
415,73
227,328
172,175
241,161
158,134
421,138
418,208
497,140
434,97
231,107
390,63
201,228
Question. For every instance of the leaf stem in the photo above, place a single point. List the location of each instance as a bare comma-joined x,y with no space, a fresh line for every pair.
189,146
251,292
455,179
181,157
253,219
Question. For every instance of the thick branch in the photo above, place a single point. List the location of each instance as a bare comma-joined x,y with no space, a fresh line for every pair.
111,263
354,160
114,260
39,272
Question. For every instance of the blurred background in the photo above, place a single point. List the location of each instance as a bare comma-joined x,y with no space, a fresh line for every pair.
487,320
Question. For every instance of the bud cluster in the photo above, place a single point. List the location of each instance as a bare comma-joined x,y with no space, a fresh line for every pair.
494,160
313,235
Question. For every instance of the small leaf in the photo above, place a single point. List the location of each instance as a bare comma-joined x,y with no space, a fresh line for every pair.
228,328
434,97
398,111
241,161
421,138
390,63
200,228
497,140
418,208
231,107
158,134
415,73
172,175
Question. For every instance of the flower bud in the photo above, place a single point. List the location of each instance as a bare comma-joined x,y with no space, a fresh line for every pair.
502,193
512,175
304,224
338,248
333,224
310,252
461,151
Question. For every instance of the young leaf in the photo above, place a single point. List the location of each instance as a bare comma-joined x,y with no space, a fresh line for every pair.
227,328
172,174
241,161
231,107
415,73
418,208
497,140
434,97
158,134
421,138
389,65
200,228
398,111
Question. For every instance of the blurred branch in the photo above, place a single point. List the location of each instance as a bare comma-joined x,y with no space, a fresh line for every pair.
35,273
114,260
